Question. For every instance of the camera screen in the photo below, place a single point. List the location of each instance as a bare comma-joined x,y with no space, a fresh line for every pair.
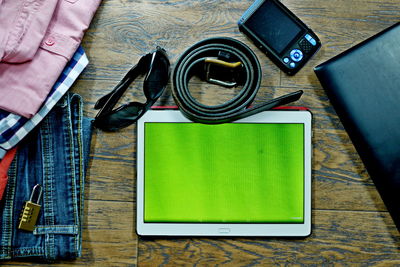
273,26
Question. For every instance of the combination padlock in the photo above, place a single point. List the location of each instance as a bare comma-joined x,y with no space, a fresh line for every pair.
30,210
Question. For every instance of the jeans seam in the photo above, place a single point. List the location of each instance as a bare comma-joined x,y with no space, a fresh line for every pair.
28,252
73,167
48,188
81,173
7,220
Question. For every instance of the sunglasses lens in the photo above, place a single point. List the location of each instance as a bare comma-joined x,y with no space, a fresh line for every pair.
156,65
121,117
157,78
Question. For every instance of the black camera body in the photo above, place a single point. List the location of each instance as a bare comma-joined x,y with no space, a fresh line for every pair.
286,40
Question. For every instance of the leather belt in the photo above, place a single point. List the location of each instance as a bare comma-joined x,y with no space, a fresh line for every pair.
226,62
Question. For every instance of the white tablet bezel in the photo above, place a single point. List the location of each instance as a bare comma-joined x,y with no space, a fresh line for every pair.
221,229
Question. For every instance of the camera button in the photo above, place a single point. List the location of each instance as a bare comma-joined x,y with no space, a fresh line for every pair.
310,39
286,60
292,65
305,46
296,55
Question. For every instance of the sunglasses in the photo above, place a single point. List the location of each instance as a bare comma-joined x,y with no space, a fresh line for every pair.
156,67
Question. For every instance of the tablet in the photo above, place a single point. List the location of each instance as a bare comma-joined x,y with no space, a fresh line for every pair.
251,177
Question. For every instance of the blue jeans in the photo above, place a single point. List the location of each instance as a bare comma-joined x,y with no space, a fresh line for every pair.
54,155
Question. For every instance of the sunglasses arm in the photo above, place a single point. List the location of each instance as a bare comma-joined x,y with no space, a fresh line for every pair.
108,102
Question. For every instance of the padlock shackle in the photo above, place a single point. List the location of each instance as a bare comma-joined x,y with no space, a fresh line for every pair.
36,187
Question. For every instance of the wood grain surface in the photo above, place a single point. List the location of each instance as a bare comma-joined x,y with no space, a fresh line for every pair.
351,226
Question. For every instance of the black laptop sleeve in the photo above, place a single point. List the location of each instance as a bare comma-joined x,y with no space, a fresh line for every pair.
363,85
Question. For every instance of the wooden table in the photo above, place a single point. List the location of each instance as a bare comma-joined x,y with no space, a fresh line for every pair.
351,225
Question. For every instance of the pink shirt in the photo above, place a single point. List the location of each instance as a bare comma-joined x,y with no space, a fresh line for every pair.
37,39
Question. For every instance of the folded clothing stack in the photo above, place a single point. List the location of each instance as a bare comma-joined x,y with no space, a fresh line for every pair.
13,128
40,43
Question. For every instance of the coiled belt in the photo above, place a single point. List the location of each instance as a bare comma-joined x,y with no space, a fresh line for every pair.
226,62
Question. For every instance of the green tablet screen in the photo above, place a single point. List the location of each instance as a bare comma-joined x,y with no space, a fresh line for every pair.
227,173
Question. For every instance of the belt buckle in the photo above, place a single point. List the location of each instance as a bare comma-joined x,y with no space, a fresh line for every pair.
209,62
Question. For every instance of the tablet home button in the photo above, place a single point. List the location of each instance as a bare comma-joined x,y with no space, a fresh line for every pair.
224,230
